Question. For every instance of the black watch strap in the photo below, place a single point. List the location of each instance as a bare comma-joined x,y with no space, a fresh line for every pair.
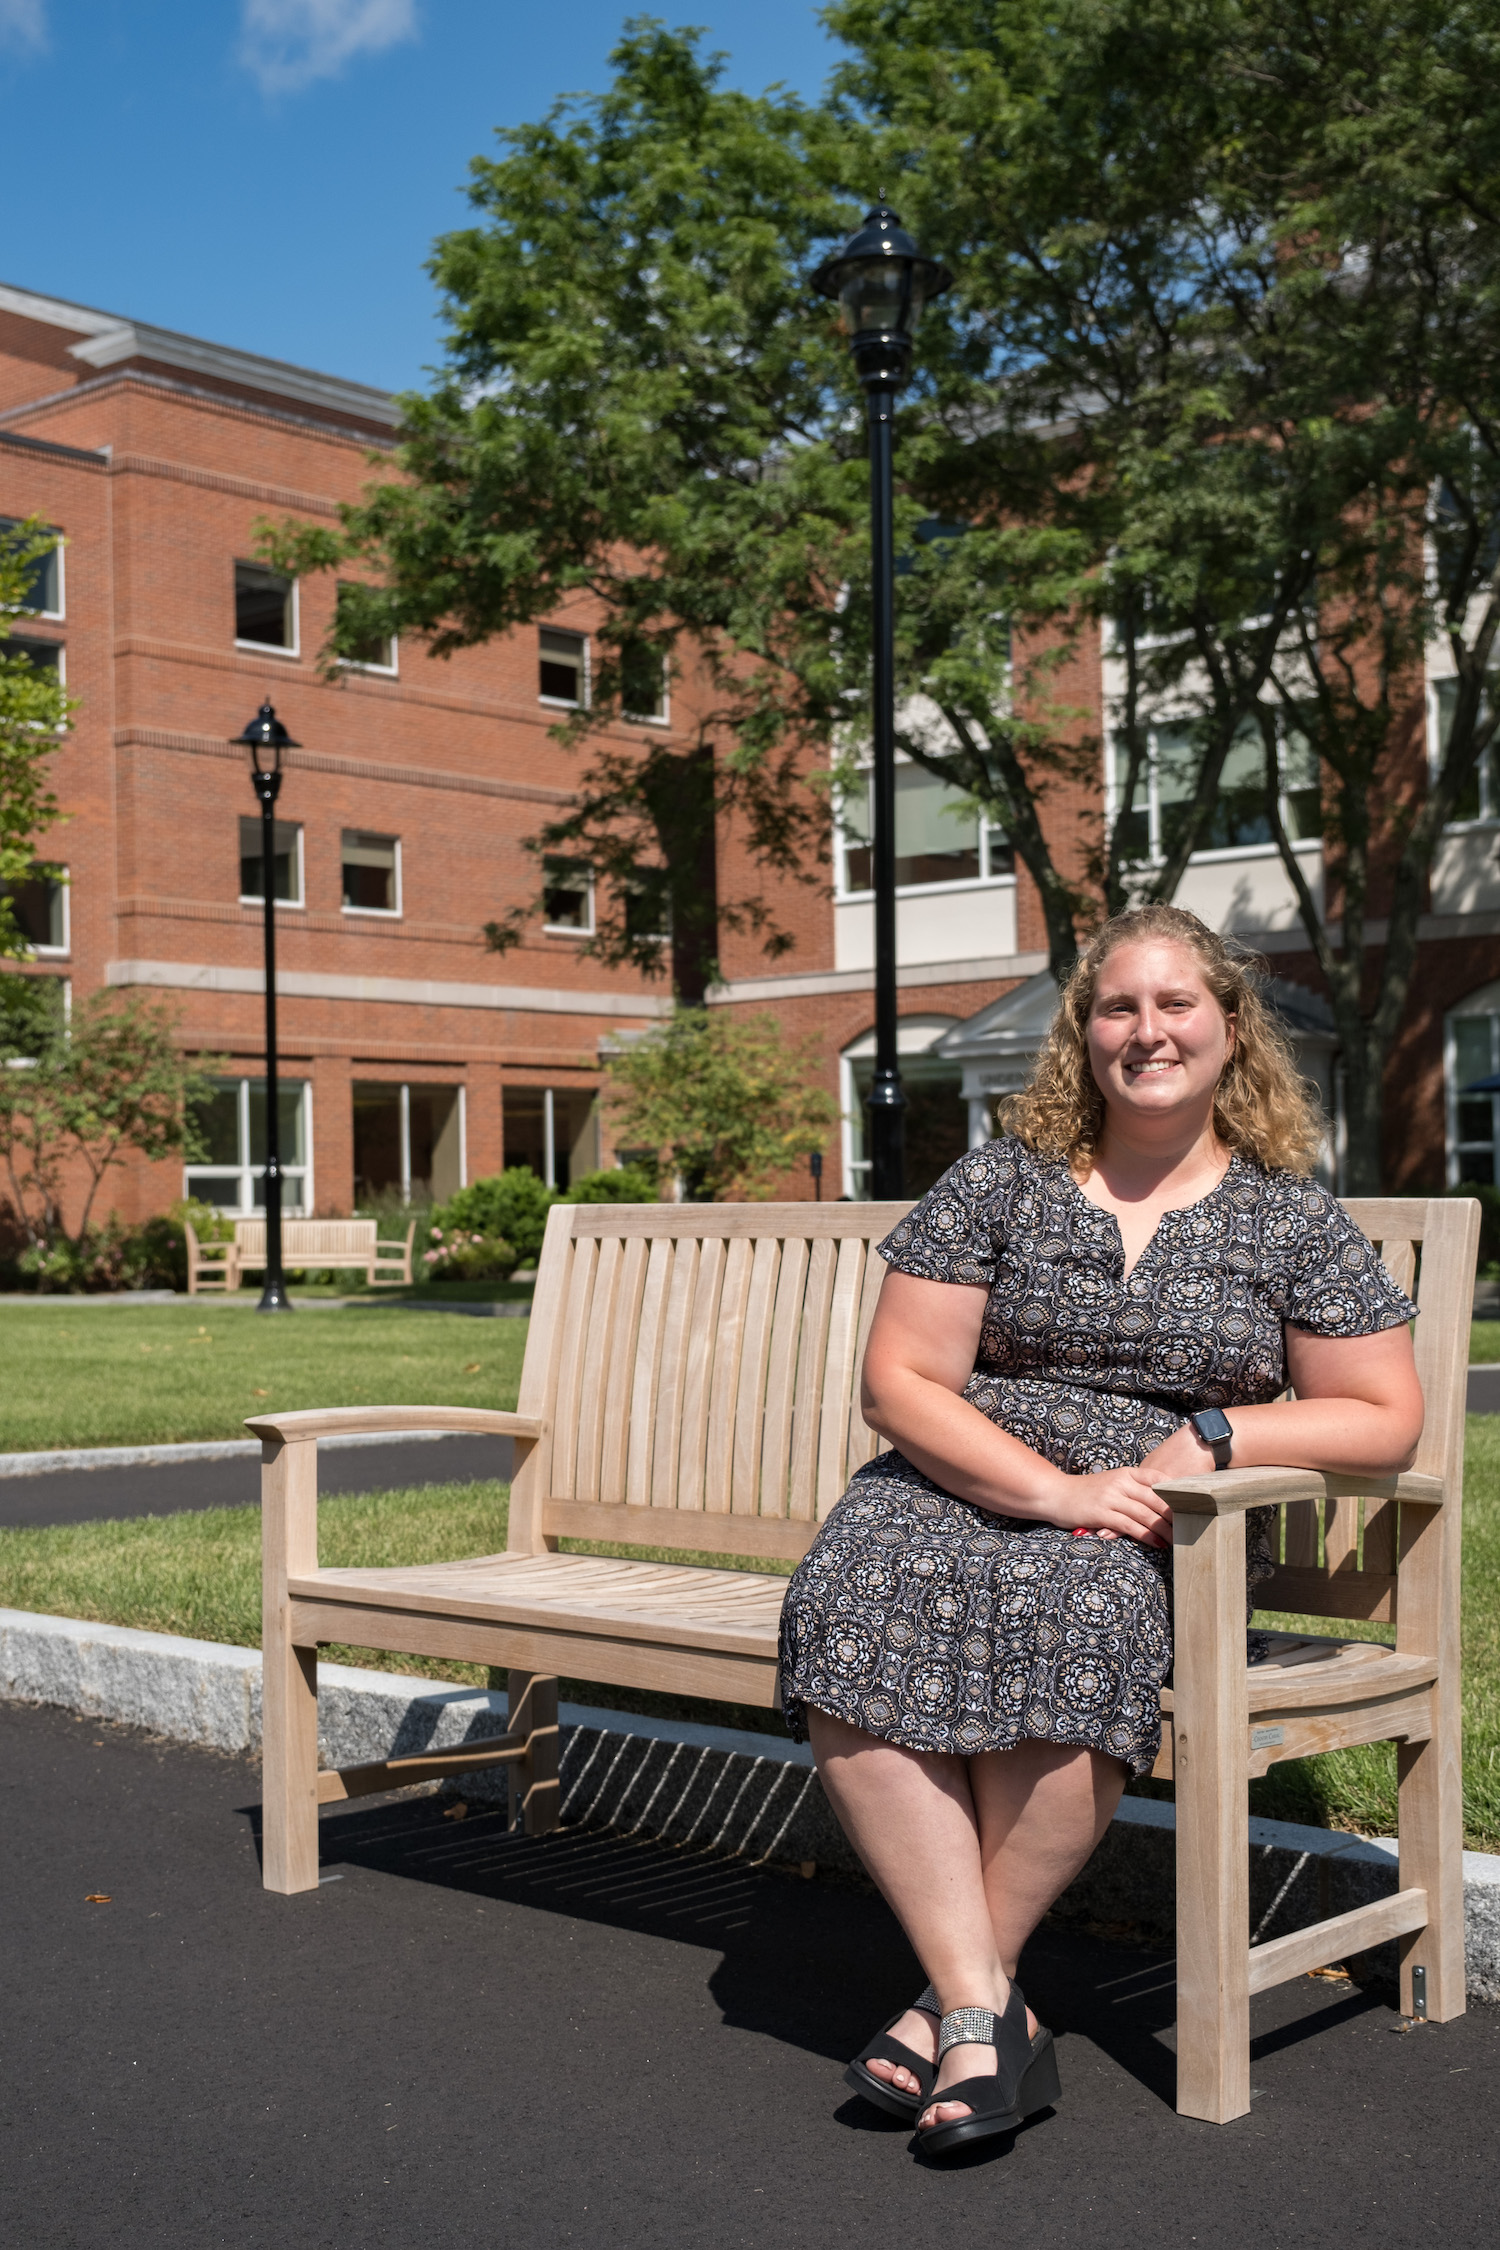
1213,1426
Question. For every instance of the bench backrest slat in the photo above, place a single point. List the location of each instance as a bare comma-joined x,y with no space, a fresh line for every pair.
699,1360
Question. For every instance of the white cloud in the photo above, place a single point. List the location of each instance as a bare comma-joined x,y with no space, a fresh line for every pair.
23,24
288,44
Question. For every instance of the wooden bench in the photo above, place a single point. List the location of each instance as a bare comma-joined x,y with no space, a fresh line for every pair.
304,1243
690,1383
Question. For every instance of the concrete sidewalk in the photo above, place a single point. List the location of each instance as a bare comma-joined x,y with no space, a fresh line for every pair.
465,2039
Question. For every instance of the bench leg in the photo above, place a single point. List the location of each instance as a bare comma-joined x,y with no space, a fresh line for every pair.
289,1734
1429,1775
289,1674
1211,1735
535,1789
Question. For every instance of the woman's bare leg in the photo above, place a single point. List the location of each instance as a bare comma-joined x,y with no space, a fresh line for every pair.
1041,1813
910,1816
969,1854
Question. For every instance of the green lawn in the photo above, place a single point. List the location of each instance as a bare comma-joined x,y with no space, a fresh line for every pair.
161,1374
200,1575
1484,1343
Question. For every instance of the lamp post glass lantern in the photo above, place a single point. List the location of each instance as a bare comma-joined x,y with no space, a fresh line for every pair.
266,738
883,281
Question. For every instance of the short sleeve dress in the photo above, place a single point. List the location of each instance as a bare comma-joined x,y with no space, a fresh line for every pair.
931,1622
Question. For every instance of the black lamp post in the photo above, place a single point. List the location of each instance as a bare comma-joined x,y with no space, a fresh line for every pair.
265,738
883,282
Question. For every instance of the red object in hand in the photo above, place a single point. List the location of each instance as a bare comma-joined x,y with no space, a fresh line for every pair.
1082,1531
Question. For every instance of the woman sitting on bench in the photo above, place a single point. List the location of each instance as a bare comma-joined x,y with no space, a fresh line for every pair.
976,1639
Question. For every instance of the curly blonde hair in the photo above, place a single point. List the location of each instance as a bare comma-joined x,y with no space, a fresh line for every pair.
1263,1108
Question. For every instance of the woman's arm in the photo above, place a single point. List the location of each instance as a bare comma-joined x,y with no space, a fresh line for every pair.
1358,1406
923,1343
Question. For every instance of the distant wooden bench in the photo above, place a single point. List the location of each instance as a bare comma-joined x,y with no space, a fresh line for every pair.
304,1242
690,1383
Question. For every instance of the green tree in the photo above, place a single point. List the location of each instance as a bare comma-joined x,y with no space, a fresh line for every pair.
722,1102
1229,277
637,408
33,710
87,1088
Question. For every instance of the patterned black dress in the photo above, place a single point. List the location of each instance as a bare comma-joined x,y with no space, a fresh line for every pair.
932,1622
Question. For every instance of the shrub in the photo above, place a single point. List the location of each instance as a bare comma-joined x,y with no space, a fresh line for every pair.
512,1204
628,1183
452,1255
109,1257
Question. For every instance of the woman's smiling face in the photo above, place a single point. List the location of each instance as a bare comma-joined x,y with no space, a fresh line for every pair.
1157,1038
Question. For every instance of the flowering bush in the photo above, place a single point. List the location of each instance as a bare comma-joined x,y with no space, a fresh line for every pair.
460,1254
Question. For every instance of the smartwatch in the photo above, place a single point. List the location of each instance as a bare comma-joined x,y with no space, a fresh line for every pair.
1213,1426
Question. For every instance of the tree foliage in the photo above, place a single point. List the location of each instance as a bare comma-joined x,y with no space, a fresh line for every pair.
33,709
86,1088
1220,376
722,1103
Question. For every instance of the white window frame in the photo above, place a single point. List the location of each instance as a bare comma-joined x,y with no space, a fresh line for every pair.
59,952
391,671
58,615
1214,853
62,663
568,702
1488,815
297,905
269,648
371,913
248,1175
1454,1150
986,879
564,929
661,718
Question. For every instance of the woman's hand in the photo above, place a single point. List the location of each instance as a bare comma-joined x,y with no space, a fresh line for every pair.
1115,1503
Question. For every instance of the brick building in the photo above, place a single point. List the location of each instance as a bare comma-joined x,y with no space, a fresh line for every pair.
413,1056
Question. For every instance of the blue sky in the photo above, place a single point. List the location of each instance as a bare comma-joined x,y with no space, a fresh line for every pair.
271,173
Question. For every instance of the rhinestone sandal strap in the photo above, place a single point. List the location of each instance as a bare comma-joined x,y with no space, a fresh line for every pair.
964,2027
929,2002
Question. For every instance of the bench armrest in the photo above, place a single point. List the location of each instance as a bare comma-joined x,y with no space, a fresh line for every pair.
1229,1491
360,1421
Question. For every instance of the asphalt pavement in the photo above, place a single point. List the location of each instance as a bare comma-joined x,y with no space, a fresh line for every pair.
464,2039
166,1488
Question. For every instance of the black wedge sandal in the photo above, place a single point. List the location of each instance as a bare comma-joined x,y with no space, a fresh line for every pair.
1025,2080
894,2100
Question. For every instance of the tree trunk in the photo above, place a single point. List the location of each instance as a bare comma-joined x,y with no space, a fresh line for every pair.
682,794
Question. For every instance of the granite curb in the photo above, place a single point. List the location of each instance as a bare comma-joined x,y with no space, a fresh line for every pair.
703,1788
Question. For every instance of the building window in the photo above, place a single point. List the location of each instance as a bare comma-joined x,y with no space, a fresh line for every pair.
1478,800
938,838
265,608
44,576
553,1131
375,652
47,656
231,1124
408,1141
1151,826
39,909
286,864
372,873
643,684
568,898
563,672
1472,1056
